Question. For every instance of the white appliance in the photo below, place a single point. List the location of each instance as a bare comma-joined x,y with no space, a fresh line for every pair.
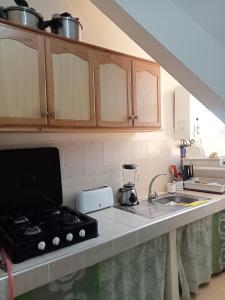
87,201
207,178
210,171
187,109
204,184
206,163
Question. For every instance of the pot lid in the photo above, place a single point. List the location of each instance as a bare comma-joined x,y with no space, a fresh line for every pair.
26,9
65,16
129,166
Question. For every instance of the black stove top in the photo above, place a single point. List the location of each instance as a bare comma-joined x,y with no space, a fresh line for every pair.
32,218
31,234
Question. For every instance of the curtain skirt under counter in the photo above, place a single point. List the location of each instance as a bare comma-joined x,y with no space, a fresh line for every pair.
138,273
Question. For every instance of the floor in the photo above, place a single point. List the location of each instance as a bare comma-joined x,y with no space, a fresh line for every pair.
215,290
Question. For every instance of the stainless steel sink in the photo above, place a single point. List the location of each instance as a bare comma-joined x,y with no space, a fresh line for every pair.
149,210
186,199
162,206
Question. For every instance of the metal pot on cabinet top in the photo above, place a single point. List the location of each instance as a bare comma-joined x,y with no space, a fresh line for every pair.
65,25
22,15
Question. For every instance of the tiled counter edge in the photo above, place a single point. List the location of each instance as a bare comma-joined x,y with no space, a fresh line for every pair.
118,231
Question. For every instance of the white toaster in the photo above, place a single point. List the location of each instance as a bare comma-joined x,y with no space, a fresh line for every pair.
94,199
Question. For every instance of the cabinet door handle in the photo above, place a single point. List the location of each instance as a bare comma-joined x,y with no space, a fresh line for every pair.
52,114
44,114
133,118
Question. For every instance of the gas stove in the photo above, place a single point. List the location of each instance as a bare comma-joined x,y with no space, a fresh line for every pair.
32,218
32,234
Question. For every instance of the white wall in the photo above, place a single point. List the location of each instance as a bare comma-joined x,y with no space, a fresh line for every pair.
90,160
208,14
212,130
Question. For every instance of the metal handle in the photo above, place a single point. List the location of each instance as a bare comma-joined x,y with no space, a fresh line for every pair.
44,114
21,3
3,14
132,117
52,114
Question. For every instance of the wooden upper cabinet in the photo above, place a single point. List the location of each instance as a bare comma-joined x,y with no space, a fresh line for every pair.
113,89
146,94
50,81
22,79
70,84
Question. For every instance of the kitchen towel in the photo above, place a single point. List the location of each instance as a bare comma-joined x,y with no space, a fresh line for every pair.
193,204
136,274
194,251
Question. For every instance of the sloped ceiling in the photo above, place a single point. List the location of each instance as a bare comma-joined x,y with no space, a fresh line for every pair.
187,38
209,15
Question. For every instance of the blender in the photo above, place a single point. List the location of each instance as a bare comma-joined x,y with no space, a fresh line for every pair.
128,194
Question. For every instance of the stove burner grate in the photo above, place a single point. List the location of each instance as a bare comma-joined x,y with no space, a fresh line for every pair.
56,212
21,220
32,230
69,219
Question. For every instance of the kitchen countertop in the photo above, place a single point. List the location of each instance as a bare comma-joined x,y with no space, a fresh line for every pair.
118,232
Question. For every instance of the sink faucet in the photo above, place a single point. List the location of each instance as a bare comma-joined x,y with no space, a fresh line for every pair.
153,195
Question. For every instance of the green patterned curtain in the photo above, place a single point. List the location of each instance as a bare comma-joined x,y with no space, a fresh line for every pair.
218,242
138,273
194,251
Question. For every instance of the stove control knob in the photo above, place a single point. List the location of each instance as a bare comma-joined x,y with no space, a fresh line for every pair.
56,241
82,233
69,237
41,246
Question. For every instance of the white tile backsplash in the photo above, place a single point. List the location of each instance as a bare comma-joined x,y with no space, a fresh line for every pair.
94,163
111,154
126,151
140,150
73,157
92,160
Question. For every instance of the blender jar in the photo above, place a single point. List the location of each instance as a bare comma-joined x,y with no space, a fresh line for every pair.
129,174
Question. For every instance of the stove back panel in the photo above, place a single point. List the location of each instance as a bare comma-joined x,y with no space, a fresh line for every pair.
30,179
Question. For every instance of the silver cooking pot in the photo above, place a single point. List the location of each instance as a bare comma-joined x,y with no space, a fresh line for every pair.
24,16
65,25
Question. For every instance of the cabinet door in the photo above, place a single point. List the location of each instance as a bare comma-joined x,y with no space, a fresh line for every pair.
146,94
22,83
113,90
70,84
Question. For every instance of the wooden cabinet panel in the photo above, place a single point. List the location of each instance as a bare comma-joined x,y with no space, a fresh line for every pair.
71,96
146,94
22,84
70,84
113,90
